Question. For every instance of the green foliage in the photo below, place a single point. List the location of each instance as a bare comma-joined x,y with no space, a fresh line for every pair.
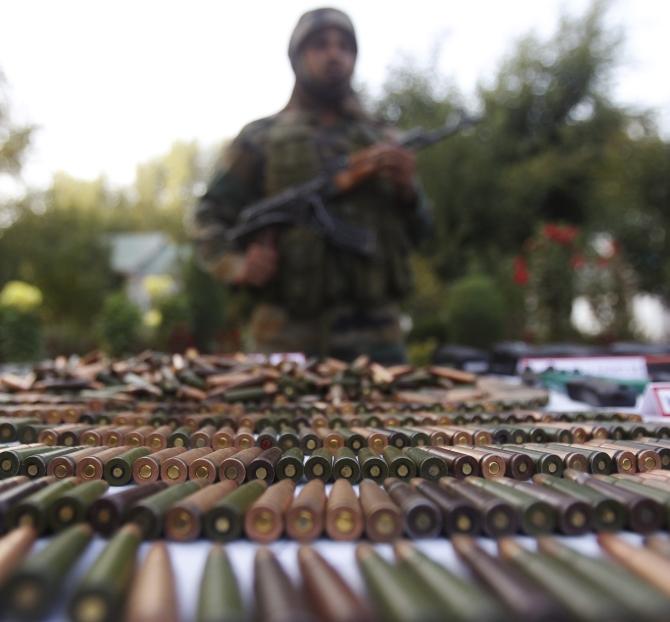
475,311
119,325
552,147
20,335
174,330
210,307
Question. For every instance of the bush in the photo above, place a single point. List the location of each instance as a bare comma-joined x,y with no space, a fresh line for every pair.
119,325
20,335
475,311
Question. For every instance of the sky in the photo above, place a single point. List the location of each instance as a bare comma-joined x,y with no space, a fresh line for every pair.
112,84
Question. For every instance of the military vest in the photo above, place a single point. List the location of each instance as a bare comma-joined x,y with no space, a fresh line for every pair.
313,274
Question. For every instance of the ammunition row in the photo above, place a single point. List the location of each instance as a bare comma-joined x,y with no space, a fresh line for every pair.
308,438
371,458
551,581
13,423
421,508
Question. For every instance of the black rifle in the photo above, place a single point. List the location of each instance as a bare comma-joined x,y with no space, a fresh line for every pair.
304,203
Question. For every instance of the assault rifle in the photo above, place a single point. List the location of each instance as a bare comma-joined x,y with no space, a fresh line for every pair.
304,203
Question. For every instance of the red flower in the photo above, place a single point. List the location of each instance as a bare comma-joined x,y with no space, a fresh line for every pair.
520,271
577,261
561,234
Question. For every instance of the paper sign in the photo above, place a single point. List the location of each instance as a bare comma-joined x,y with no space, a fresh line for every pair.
656,400
615,367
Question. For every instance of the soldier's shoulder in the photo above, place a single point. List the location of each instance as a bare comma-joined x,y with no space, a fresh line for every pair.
254,133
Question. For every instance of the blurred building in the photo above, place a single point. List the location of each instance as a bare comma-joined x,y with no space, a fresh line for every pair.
137,256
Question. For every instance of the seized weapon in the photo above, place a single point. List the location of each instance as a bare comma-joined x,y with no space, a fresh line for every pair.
305,203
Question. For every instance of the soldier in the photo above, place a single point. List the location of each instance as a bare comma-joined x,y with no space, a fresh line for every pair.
313,296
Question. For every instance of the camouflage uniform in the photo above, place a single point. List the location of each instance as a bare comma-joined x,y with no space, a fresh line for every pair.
324,300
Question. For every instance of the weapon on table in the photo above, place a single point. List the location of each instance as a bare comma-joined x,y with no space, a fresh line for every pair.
305,203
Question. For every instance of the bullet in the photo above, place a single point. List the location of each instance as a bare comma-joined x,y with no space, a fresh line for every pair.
427,466
319,465
521,595
263,465
223,438
636,597
376,440
607,514
309,441
400,465
288,437
93,466
33,510
383,518
624,461
641,487
8,484
662,452
536,516
183,521
36,466
344,516
203,437
575,593
571,459
158,439
11,459
119,470
353,440
244,438
459,599
11,497
421,517
101,594
10,429
219,598
264,520
517,465
372,466
346,466
235,467
36,584
93,436
66,465
147,469
13,548
225,520
65,435
645,458
643,562
396,597
458,465
175,470
138,436
573,517
106,514
72,507
457,514
30,433
149,512
115,437
181,437
545,461
305,516
276,598
332,439
153,591
498,517
330,597
290,465
206,468
644,514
